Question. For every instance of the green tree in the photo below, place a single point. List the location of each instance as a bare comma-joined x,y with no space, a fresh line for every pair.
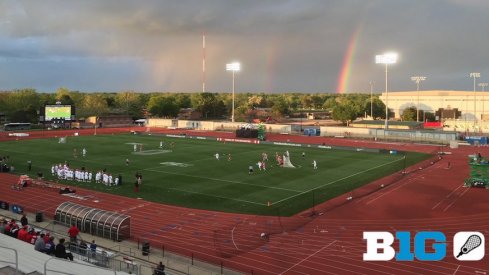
378,108
163,106
22,105
93,105
280,106
409,114
428,116
63,95
209,105
183,100
345,112
129,103
330,103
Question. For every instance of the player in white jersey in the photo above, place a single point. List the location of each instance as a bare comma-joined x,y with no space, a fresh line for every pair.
84,152
217,156
314,164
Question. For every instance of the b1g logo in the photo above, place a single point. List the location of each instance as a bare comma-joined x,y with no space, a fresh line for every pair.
467,246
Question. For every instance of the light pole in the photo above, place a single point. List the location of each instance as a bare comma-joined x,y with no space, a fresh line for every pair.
417,79
387,58
372,98
233,67
474,76
483,86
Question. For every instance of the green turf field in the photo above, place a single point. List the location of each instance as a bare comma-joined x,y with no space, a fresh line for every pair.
188,174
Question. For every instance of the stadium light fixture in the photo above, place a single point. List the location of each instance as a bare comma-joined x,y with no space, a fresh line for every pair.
233,67
418,79
474,76
387,58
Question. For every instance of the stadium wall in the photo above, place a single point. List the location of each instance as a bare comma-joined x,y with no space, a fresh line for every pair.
212,125
159,122
428,136
391,134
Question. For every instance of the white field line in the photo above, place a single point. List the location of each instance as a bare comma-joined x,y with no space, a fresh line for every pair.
324,247
335,181
233,199
229,181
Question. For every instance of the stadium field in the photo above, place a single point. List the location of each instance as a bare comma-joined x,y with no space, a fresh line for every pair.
185,171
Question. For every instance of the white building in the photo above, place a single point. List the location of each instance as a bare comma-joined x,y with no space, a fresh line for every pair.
470,104
473,107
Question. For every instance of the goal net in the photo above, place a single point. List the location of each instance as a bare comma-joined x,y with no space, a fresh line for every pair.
287,162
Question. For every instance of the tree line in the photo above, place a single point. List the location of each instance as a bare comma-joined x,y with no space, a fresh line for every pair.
23,105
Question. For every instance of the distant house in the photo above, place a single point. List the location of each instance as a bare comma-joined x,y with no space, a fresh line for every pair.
189,114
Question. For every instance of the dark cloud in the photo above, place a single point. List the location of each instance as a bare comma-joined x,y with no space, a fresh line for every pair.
283,45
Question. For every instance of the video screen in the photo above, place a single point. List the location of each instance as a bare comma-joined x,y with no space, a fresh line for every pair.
57,112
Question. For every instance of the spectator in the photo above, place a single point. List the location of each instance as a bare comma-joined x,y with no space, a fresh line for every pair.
160,269
23,220
50,247
33,236
46,237
93,248
14,231
40,245
8,228
60,251
73,232
23,235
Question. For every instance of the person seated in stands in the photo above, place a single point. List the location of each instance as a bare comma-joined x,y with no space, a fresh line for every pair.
60,251
33,236
14,231
8,227
40,245
160,269
23,234
49,247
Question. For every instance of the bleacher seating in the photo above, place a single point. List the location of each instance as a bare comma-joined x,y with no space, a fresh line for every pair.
33,262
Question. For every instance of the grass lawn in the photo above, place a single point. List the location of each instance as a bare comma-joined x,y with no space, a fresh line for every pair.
188,173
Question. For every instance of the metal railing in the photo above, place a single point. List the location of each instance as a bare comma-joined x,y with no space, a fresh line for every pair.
16,259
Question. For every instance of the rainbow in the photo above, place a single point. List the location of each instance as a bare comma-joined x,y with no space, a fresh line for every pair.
345,73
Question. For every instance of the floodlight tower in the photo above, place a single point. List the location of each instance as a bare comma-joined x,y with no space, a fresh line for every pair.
387,58
233,67
474,76
417,79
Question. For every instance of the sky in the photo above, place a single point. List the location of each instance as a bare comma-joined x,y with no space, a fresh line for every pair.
309,46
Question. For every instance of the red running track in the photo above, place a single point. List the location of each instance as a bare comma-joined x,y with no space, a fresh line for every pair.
331,243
